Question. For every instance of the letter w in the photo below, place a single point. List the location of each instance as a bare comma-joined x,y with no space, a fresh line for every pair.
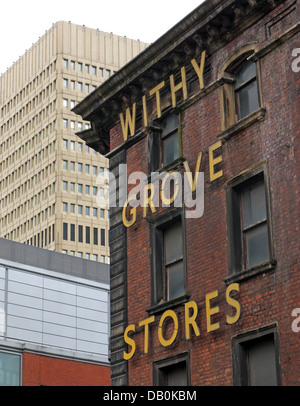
129,122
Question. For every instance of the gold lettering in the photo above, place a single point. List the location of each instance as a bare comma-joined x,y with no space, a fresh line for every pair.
210,311
146,323
200,69
156,91
167,343
129,341
145,113
181,85
191,320
130,223
189,173
234,303
129,122
148,200
214,161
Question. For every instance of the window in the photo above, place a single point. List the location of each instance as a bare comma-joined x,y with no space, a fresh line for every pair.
249,223
172,372
65,83
65,231
164,143
80,86
65,186
65,123
94,170
256,358
87,68
72,144
95,212
246,90
107,73
241,93
87,189
87,88
79,209
95,236
80,233
65,207
72,166
103,237
87,235
65,102
72,124
79,188
65,144
10,369
72,104
72,229
73,84
101,72
72,65
65,164
87,168
94,70
66,63
167,262
72,187
72,208
87,211
79,67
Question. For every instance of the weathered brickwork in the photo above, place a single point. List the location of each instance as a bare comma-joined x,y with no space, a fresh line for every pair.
269,140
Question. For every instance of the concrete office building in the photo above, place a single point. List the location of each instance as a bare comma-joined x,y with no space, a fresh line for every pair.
54,318
205,284
47,177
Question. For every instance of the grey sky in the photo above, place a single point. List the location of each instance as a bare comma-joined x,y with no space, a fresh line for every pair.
23,22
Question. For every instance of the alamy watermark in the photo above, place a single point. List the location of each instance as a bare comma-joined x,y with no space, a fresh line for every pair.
159,189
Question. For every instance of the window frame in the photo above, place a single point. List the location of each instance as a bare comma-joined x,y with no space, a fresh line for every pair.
229,114
240,375
167,363
16,354
156,138
237,269
159,297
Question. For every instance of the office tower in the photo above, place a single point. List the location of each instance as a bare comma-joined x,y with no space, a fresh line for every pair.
48,178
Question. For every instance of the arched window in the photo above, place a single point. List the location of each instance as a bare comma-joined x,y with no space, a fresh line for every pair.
241,90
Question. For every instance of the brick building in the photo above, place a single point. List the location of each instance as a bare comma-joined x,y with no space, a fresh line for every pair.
205,268
54,318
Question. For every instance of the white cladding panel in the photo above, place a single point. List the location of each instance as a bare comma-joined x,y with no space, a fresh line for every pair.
54,312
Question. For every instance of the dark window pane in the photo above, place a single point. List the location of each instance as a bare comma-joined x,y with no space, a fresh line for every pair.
174,375
262,362
103,237
257,241
169,124
95,236
72,232
254,204
87,235
248,99
175,280
170,148
80,233
65,231
245,72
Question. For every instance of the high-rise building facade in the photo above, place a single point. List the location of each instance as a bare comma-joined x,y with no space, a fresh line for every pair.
48,179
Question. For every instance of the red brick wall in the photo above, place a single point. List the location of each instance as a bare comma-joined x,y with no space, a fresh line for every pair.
266,298
41,370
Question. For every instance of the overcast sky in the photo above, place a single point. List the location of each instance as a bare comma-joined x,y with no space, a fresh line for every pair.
24,21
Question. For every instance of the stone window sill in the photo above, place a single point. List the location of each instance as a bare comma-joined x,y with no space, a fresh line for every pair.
266,267
258,115
162,307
